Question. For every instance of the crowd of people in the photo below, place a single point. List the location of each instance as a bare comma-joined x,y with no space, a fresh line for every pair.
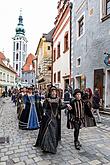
43,112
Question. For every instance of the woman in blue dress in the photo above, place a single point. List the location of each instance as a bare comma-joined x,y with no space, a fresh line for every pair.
31,113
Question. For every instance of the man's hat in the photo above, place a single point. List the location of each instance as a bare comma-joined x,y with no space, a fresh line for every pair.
53,88
77,91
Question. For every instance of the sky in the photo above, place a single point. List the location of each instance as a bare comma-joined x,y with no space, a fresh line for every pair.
38,18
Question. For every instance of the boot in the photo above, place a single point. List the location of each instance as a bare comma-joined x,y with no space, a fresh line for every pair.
79,143
77,146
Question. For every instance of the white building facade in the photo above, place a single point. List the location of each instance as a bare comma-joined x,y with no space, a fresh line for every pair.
61,46
7,76
90,58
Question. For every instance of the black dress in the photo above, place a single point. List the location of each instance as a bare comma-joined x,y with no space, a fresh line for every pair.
50,129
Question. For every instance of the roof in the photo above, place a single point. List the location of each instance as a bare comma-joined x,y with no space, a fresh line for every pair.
7,67
28,63
47,36
2,56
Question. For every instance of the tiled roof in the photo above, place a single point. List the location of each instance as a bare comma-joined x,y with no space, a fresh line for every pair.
49,35
2,57
28,63
7,67
48,38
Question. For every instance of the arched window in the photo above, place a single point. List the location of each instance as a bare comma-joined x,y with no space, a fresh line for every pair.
17,56
17,46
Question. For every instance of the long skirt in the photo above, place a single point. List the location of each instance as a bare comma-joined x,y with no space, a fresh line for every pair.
29,118
48,135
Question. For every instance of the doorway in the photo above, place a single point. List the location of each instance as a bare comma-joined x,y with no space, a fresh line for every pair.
108,89
78,82
66,83
98,81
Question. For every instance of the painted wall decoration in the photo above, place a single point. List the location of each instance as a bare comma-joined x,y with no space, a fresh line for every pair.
107,60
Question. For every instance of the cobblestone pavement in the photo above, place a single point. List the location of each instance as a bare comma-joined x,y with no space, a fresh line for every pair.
20,151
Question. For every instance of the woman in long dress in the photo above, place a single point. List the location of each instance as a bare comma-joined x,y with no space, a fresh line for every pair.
30,116
49,133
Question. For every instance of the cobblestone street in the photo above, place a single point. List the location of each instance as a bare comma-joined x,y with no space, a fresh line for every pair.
20,151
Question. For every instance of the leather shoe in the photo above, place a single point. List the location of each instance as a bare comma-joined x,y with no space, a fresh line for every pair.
79,143
77,146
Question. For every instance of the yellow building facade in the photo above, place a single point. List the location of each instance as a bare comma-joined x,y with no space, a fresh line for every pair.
44,60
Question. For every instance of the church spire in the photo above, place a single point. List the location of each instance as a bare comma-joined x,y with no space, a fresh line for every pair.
20,27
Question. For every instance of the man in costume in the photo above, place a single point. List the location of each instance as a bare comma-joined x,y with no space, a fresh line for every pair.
80,115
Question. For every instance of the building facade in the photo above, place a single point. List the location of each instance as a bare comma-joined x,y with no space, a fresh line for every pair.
28,71
19,48
90,46
44,60
61,46
7,74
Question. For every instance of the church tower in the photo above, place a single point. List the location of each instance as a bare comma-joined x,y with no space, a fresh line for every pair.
19,47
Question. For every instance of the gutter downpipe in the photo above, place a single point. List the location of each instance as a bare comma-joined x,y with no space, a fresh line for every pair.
71,6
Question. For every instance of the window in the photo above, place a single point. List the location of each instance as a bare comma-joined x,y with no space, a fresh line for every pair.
7,78
17,46
17,67
13,56
78,62
49,68
24,47
20,56
4,78
20,66
107,7
58,50
105,13
20,45
66,42
54,77
14,46
17,56
48,47
59,76
54,55
81,26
